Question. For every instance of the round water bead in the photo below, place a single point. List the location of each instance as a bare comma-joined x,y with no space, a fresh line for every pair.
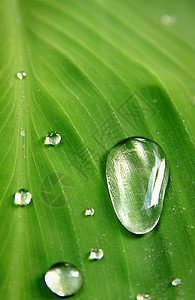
22,197
52,138
96,254
63,279
89,212
137,175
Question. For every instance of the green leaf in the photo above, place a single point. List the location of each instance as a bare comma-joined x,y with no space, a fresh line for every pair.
97,72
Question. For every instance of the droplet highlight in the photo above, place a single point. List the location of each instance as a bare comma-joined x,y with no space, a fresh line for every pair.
63,279
21,75
52,138
168,20
176,281
96,254
89,212
22,197
137,176
143,297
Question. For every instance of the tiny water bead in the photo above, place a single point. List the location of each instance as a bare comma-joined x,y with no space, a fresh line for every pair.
63,279
52,138
143,297
21,75
22,197
176,281
96,254
137,176
89,212
168,20
22,133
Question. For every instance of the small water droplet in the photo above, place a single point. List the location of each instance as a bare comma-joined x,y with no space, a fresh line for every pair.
63,279
168,20
96,254
176,281
22,133
137,176
143,297
22,197
89,212
21,75
52,138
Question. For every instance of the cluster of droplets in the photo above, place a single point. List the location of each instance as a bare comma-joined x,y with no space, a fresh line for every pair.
21,75
138,215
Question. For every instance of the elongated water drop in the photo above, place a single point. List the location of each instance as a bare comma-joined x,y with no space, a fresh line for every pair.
176,281
137,176
22,197
21,75
52,138
63,279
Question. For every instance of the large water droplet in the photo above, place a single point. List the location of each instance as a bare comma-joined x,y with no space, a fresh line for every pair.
22,197
96,254
89,212
176,281
143,297
137,176
21,75
52,138
63,279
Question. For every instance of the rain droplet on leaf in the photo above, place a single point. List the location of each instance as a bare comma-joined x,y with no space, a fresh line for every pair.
22,133
143,297
96,254
21,75
22,197
89,212
168,20
137,176
176,281
63,279
52,138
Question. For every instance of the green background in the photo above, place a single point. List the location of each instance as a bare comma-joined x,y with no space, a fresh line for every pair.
97,72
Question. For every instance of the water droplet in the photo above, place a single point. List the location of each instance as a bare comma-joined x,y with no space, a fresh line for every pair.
22,197
137,176
22,133
52,138
96,254
63,279
21,75
176,281
143,297
89,212
168,20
